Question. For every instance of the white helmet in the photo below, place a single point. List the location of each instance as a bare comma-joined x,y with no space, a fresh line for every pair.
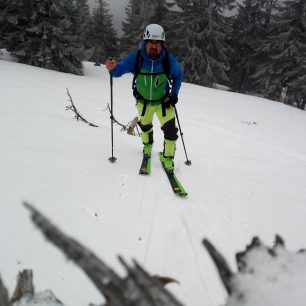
155,32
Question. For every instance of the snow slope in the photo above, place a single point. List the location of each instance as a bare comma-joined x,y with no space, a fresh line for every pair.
247,178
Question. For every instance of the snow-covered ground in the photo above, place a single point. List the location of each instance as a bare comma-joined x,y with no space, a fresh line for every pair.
247,178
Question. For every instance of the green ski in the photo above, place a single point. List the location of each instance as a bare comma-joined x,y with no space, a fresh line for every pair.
174,182
145,167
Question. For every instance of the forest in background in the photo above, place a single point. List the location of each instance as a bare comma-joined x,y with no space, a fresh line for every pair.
260,50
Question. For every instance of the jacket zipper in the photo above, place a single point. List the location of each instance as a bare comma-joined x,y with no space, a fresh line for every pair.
151,80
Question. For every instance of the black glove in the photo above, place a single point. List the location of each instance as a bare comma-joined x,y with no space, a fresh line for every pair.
170,99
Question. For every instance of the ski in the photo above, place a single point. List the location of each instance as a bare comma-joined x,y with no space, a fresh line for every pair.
145,167
174,182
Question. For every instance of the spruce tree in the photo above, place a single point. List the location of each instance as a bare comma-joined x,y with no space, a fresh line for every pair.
103,35
154,11
285,53
200,41
15,17
82,22
132,27
51,42
249,30
2,23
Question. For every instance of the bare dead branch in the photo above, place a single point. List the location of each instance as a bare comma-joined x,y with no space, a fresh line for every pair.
78,116
24,286
137,289
129,128
165,280
106,281
4,298
148,288
224,271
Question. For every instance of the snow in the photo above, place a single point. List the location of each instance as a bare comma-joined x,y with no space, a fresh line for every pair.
271,280
247,179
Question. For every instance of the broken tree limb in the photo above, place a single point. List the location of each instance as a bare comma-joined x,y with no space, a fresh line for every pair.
137,289
106,281
223,268
78,116
24,287
147,287
4,297
129,128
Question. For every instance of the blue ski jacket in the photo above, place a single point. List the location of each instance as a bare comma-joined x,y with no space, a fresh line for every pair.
127,65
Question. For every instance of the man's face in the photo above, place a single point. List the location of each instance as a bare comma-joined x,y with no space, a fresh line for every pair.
153,48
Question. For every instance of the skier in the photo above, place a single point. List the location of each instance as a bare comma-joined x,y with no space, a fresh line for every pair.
157,81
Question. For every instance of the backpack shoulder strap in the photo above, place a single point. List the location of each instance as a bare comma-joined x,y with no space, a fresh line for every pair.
166,65
138,64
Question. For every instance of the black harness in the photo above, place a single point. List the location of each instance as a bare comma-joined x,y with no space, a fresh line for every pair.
138,64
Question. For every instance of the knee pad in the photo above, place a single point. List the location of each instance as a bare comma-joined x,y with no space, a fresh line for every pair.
170,130
145,128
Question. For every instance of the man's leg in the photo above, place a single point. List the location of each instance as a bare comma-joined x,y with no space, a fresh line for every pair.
170,133
146,126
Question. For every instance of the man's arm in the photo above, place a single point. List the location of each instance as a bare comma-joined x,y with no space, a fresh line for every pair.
127,65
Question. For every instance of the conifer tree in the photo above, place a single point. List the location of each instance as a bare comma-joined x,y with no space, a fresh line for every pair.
51,42
103,35
82,22
132,27
15,17
200,41
154,11
250,28
2,23
285,53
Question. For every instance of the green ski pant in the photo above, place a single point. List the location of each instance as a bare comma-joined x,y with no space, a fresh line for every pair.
167,123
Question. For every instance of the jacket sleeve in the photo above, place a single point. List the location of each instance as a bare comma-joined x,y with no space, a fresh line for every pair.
126,65
177,74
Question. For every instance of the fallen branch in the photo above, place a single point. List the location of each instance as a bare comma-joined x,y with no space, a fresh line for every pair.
130,127
4,298
225,272
138,288
78,116
24,287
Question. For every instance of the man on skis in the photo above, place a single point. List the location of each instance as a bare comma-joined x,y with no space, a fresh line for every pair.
157,81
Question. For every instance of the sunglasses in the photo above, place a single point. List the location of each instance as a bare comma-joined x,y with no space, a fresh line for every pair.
154,42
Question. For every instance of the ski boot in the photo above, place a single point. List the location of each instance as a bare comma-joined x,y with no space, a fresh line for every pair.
168,164
147,149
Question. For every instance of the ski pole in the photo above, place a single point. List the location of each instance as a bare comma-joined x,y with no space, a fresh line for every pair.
187,162
112,159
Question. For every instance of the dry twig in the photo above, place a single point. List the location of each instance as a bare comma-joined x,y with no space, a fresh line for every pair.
130,127
78,116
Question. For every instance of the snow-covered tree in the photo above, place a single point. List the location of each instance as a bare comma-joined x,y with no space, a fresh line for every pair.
249,30
15,17
40,33
51,43
82,22
2,23
132,27
154,11
284,53
103,35
198,36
